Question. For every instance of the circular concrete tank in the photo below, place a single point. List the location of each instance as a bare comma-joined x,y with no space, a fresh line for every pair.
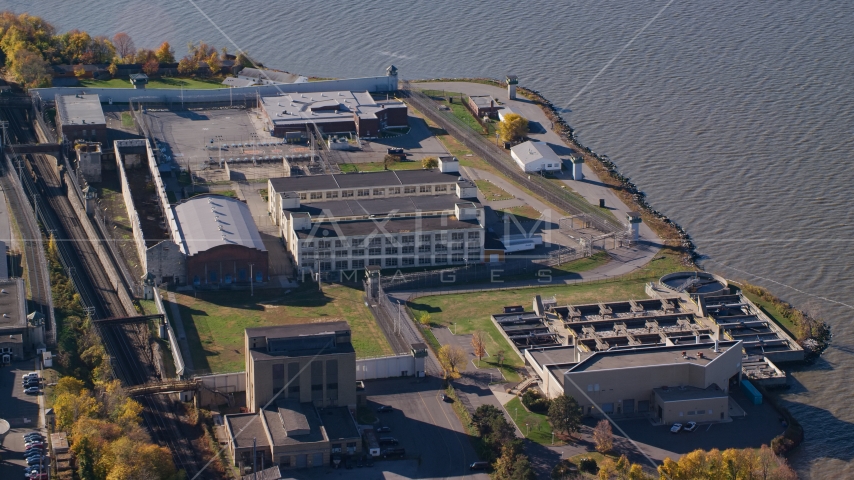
695,283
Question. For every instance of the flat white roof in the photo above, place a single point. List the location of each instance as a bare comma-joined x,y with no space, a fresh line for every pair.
80,109
208,221
531,151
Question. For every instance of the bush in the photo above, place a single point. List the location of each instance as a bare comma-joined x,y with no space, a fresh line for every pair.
587,464
535,402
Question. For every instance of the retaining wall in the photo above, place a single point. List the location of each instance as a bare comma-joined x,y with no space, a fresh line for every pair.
173,339
382,83
104,257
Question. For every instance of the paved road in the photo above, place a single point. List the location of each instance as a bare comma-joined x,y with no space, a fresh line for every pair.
22,413
435,442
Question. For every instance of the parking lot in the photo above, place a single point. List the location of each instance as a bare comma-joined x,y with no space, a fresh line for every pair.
760,424
435,442
22,412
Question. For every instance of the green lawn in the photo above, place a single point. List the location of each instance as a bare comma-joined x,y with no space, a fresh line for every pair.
214,321
189,83
772,312
460,111
127,120
378,166
534,426
522,212
491,191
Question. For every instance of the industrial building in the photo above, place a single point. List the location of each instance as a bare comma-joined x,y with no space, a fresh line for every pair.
670,383
220,240
533,157
394,219
332,112
300,393
20,335
80,118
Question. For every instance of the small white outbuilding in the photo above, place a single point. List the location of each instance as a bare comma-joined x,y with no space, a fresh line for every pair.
535,157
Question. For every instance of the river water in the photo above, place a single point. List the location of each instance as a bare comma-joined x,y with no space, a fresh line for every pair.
736,118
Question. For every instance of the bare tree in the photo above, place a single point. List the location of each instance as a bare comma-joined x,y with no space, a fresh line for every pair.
499,356
478,343
603,436
451,357
124,45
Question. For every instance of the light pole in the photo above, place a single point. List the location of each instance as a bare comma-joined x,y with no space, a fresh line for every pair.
553,437
528,429
251,281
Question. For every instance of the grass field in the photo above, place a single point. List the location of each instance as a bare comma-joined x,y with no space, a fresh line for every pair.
214,321
534,426
127,120
491,191
378,166
522,211
460,111
772,312
190,83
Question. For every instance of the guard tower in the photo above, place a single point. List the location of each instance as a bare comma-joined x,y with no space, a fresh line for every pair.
512,81
372,281
139,80
391,73
419,351
635,220
577,164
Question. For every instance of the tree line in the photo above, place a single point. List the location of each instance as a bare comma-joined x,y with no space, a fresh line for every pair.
29,46
103,424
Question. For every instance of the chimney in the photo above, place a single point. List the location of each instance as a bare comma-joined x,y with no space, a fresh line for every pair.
717,350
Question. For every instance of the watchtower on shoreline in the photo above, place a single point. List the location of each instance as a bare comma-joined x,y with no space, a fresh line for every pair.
512,81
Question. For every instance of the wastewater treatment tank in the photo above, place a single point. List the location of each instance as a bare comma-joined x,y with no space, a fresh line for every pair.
695,283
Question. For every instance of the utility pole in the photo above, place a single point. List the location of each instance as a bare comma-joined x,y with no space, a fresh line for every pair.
251,280
254,458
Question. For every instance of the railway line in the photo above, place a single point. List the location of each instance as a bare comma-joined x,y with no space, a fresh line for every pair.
42,184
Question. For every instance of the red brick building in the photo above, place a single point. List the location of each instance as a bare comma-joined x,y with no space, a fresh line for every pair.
221,241
333,112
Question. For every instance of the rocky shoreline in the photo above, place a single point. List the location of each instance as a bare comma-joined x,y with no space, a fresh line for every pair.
672,233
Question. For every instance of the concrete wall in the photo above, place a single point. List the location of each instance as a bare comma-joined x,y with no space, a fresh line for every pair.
678,411
127,196
103,256
173,339
385,367
166,262
123,95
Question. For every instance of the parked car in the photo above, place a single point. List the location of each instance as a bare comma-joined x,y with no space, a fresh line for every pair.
675,428
32,390
388,441
384,409
479,466
360,463
32,450
31,435
690,426
34,443
393,452
383,429
34,460
38,476
446,398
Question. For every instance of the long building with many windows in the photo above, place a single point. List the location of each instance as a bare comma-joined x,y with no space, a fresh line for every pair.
390,219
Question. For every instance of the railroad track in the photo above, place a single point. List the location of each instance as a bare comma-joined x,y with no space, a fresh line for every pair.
43,186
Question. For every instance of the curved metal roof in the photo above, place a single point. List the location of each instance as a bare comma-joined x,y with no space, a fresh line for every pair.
208,221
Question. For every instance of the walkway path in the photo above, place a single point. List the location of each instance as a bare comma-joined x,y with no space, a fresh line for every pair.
178,324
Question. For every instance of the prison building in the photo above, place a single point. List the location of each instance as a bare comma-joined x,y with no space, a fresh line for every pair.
534,157
80,118
332,112
220,240
670,383
391,219
300,393
483,106
21,335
